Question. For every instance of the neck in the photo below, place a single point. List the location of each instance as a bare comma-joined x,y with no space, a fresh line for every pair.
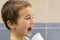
15,36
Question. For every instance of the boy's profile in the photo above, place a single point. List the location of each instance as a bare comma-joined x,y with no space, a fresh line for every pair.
17,16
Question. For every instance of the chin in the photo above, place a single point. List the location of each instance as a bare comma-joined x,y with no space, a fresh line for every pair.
28,35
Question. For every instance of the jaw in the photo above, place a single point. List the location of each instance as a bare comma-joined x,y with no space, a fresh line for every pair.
28,33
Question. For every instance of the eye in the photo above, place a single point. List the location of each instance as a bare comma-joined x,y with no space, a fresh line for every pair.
28,17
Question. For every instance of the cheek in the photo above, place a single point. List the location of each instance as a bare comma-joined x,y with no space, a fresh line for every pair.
21,30
25,23
22,27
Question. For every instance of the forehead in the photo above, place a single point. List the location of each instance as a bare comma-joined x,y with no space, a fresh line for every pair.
25,11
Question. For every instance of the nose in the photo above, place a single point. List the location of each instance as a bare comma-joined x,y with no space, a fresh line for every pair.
32,22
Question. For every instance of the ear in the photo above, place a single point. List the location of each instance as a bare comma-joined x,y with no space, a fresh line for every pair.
10,25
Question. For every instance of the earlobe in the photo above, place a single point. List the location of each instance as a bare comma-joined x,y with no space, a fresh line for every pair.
10,25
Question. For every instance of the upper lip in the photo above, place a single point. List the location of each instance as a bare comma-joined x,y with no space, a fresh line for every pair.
31,26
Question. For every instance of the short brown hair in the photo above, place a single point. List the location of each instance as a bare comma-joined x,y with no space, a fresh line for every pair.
10,10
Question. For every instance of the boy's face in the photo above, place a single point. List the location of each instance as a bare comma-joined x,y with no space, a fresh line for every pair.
24,22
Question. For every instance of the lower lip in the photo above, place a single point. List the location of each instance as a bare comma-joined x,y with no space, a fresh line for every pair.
29,31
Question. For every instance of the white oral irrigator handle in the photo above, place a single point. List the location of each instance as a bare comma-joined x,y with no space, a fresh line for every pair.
37,36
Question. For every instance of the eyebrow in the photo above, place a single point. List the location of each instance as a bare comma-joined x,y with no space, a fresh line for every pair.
27,15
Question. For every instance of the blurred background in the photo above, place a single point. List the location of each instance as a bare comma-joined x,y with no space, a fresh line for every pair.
46,18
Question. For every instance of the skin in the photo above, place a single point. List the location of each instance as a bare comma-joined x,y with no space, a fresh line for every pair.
24,21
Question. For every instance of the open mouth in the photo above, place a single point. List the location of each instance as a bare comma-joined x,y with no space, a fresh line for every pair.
29,29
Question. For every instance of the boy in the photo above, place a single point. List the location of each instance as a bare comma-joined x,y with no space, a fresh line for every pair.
17,16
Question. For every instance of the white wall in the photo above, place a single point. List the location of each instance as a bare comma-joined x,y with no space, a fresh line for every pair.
53,11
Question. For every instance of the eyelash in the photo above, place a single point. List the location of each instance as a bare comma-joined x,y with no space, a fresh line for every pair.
29,18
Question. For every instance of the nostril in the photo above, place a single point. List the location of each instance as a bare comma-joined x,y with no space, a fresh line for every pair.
32,22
